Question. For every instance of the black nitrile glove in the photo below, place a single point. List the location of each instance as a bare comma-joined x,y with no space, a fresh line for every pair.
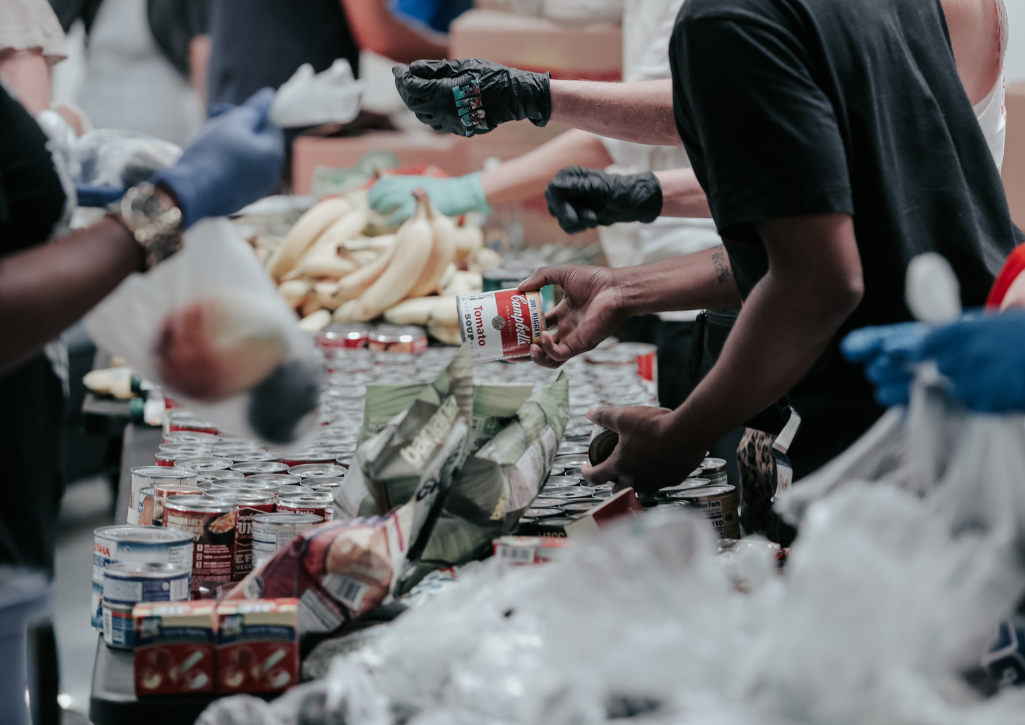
584,198
468,97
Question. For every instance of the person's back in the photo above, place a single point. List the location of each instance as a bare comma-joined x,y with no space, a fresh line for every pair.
840,106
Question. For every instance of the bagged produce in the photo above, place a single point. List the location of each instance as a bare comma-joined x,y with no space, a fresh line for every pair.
208,326
344,569
501,476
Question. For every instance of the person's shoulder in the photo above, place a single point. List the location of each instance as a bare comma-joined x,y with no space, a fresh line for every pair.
695,10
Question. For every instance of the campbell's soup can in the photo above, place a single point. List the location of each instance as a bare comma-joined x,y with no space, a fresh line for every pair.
112,544
203,464
347,336
169,452
160,493
250,504
273,532
289,489
314,470
501,325
190,438
277,479
321,503
185,422
149,477
253,468
301,459
212,522
398,338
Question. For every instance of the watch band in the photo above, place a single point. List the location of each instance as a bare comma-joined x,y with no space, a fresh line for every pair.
153,219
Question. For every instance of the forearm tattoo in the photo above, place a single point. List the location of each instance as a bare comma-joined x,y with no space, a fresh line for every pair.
722,269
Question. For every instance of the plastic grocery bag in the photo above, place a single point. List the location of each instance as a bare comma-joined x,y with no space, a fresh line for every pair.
271,368
308,99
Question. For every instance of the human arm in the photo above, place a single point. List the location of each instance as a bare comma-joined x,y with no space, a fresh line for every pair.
199,60
235,159
27,74
585,198
515,180
377,30
682,195
813,284
640,112
597,300
45,289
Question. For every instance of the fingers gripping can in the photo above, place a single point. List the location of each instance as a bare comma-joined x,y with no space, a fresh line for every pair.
501,325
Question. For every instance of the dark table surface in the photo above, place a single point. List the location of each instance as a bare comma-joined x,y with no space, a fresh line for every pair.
113,700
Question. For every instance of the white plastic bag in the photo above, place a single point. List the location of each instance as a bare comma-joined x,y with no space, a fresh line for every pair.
308,99
217,268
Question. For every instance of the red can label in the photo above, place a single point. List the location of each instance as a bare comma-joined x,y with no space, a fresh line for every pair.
213,532
501,325
244,537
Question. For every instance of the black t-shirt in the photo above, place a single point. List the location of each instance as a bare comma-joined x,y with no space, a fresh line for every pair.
802,107
31,196
258,43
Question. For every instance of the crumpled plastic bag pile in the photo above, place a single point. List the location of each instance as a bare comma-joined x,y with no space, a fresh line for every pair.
880,611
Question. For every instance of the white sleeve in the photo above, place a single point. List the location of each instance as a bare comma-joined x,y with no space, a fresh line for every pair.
32,24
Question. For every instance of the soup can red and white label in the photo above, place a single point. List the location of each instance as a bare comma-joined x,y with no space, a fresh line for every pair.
212,523
501,325
321,503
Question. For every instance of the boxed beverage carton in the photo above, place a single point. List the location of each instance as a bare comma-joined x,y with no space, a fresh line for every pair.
174,651
257,645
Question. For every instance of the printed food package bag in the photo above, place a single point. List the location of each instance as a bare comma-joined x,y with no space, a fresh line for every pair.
344,569
497,482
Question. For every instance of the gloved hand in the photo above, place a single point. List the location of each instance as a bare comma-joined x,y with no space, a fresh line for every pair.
584,198
394,195
889,353
984,358
468,97
234,160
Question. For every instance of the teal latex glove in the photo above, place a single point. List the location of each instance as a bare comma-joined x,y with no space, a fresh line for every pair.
393,195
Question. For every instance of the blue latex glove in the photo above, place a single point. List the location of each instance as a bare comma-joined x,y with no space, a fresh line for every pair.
393,195
889,353
101,195
234,160
984,358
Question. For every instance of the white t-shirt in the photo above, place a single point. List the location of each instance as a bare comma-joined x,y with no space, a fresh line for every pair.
991,111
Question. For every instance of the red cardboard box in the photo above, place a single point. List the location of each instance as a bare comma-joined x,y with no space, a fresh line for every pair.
174,651
257,645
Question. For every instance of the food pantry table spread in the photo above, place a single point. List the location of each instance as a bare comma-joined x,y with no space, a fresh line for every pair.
113,700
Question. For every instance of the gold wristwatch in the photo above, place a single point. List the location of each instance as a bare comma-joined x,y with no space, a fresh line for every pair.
154,219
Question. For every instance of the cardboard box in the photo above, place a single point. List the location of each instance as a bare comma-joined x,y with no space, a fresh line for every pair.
174,651
257,645
1014,155
592,52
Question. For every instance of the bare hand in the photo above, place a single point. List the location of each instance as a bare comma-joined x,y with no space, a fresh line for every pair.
591,310
186,359
649,456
